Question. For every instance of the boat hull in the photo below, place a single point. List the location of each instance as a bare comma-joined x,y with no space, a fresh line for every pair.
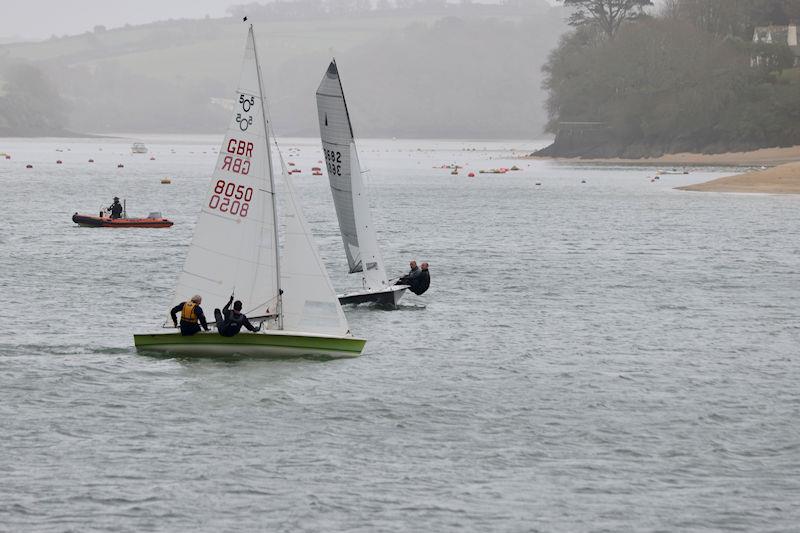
88,221
388,297
270,344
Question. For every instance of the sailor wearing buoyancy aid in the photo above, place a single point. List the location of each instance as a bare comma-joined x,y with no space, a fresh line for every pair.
192,316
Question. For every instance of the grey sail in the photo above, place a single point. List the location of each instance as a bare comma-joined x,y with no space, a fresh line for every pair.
337,136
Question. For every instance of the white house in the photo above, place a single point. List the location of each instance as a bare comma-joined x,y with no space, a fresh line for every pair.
787,35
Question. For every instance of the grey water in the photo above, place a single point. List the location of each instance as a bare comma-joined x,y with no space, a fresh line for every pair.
597,352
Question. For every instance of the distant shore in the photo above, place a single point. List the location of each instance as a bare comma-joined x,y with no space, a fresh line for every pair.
49,134
763,157
783,179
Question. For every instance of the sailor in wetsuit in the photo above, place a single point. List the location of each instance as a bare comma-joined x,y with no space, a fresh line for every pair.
420,283
230,321
191,314
418,279
414,272
115,208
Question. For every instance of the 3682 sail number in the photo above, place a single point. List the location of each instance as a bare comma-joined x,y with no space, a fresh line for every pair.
231,198
333,160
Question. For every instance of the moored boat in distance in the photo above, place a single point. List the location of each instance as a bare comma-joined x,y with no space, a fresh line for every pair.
138,148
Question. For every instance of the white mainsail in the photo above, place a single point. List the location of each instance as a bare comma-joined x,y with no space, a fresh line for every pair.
233,250
347,186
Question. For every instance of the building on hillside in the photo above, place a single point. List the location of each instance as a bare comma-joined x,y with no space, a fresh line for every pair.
787,35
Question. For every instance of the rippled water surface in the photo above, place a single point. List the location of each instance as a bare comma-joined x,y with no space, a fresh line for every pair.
611,355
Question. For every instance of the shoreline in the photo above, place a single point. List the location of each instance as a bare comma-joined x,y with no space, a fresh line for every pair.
763,157
782,179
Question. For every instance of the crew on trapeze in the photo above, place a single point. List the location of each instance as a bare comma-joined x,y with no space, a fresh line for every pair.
192,316
115,208
418,279
230,321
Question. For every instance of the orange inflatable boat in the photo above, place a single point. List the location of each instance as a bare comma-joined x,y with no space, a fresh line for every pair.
151,221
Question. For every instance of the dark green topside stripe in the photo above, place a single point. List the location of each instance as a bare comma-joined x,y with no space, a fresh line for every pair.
289,341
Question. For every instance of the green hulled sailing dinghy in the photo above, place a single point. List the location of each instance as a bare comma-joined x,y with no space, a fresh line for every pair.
235,250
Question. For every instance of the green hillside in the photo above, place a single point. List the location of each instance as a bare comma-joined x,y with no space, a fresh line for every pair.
167,76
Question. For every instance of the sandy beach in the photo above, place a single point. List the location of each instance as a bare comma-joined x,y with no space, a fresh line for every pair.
763,157
783,179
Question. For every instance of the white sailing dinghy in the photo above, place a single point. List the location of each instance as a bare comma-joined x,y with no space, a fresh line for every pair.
235,250
350,196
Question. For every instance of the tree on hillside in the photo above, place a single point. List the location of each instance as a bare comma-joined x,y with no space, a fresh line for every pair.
732,18
31,104
667,86
608,15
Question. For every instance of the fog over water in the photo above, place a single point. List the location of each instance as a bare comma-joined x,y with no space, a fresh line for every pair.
598,351
433,69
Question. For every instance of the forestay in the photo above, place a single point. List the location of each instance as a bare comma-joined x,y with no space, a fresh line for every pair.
344,172
233,248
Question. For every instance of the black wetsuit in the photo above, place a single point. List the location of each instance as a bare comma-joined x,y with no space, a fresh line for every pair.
116,210
406,280
420,283
188,327
229,322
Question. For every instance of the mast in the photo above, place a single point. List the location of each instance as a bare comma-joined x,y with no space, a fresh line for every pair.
279,308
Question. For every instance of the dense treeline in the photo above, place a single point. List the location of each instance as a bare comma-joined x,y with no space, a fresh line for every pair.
683,80
29,103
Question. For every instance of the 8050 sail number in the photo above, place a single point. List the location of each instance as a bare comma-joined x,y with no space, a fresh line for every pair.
231,198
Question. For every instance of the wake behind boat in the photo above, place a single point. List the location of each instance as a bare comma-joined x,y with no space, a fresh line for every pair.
350,197
235,249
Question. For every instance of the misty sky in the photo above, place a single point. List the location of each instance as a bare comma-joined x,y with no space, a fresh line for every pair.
39,19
